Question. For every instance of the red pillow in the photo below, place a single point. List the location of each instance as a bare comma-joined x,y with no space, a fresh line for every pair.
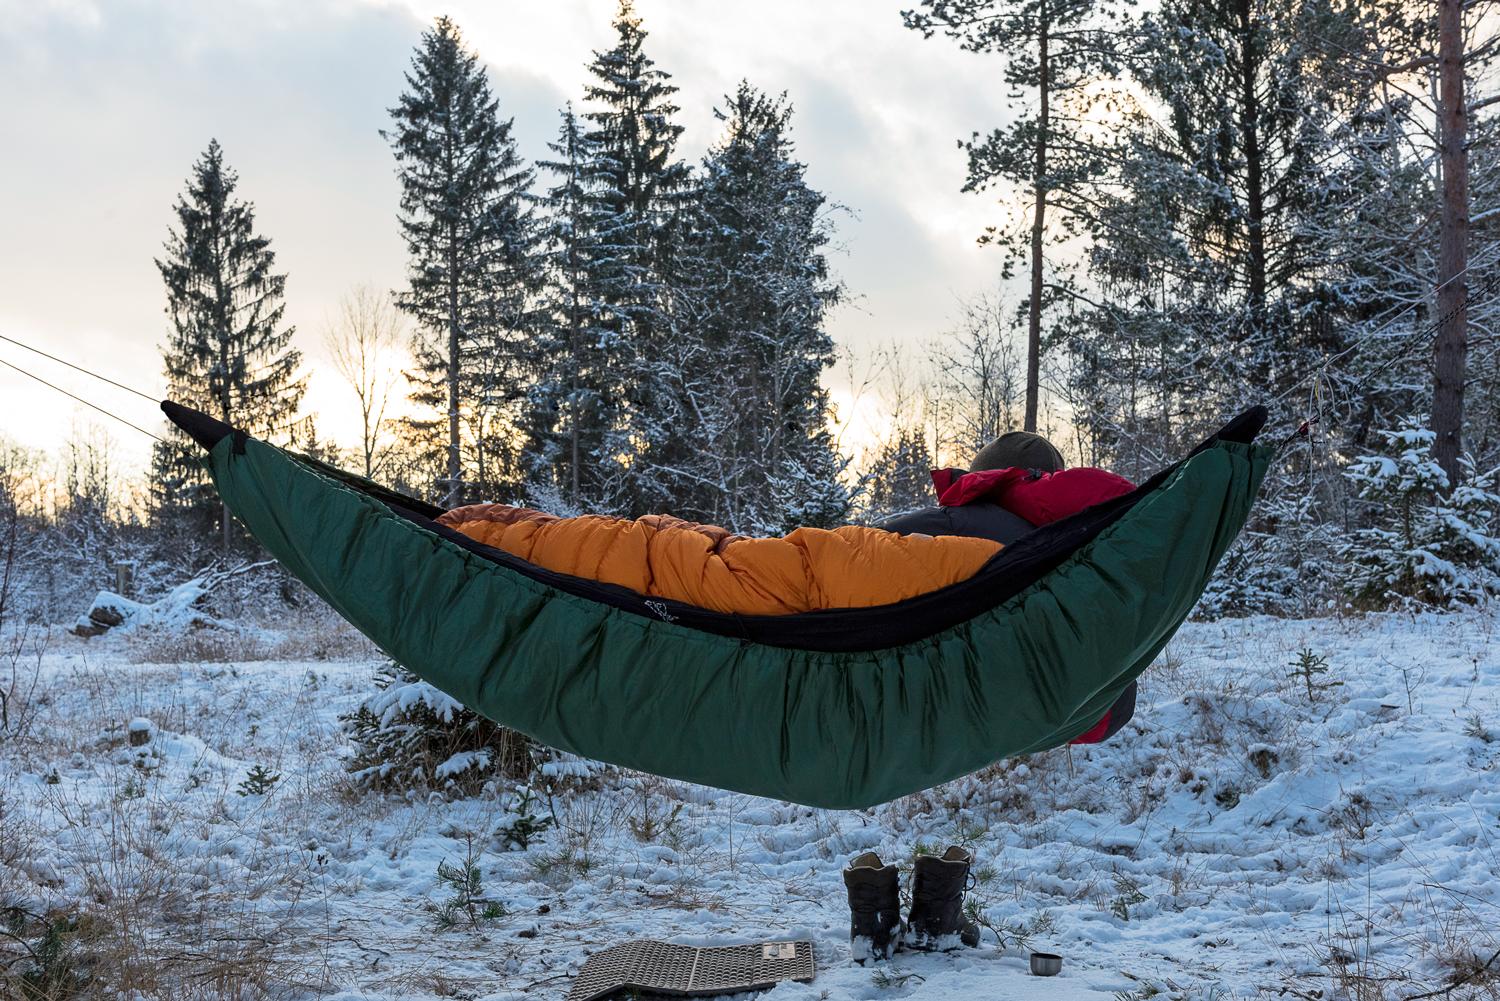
1040,498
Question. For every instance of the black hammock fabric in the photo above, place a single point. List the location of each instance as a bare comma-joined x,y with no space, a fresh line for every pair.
1010,571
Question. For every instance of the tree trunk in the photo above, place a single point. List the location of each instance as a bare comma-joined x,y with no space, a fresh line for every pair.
367,407
575,362
225,310
1255,195
1038,221
1450,352
453,495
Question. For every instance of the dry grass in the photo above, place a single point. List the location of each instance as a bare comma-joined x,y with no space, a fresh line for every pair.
21,696
310,634
131,889
142,913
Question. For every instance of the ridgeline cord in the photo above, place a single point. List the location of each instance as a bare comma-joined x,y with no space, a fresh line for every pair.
95,406
78,368
1478,295
1303,431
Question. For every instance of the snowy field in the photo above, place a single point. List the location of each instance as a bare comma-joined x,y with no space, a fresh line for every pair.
1238,839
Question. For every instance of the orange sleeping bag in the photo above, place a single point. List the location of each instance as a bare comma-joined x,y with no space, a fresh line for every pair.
812,568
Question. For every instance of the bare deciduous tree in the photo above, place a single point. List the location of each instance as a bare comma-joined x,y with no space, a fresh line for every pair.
362,344
981,380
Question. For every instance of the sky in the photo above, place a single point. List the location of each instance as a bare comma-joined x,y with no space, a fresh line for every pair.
108,103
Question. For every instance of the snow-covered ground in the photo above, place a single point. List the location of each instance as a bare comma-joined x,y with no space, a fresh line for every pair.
1238,839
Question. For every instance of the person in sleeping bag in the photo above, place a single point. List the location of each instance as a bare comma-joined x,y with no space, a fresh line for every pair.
1014,484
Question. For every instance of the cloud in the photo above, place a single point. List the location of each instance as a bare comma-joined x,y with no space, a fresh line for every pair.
109,104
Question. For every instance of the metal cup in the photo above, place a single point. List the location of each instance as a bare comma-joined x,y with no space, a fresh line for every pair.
1045,964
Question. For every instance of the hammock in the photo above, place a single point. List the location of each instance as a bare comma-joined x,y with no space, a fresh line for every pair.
840,708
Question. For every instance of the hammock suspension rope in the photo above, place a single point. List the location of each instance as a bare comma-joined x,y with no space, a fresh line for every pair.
73,396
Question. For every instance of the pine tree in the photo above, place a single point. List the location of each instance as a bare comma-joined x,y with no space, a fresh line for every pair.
228,353
640,186
470,239
1429,62
1210,286
575,408
1460,57
1055,53
751,293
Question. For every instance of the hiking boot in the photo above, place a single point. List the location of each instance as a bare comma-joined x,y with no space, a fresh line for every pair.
874,908
937,921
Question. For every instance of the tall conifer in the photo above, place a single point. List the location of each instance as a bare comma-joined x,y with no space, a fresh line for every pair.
228,353
751,294
469,237
576,406
641,188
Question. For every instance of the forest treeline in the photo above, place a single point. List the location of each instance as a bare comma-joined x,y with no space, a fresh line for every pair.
1203,204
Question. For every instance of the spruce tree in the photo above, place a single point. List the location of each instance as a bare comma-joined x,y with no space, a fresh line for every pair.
751,294
641,187
899,476
228,353
470,239
575,409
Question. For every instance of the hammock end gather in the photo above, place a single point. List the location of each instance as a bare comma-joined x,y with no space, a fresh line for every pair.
200,427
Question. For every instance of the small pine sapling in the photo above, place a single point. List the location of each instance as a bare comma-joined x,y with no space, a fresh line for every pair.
656,823
1308,668
1474,727
525,826
52,967
888,979
259,781
1013,934
465,883
921,849
1127,895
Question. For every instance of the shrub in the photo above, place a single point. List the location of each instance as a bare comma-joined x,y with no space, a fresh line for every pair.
1279,565
523,825
408,734
1427,545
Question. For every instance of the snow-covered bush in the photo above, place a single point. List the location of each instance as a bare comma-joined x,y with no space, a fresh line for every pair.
1281,564
807,494
1424,545
408,734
